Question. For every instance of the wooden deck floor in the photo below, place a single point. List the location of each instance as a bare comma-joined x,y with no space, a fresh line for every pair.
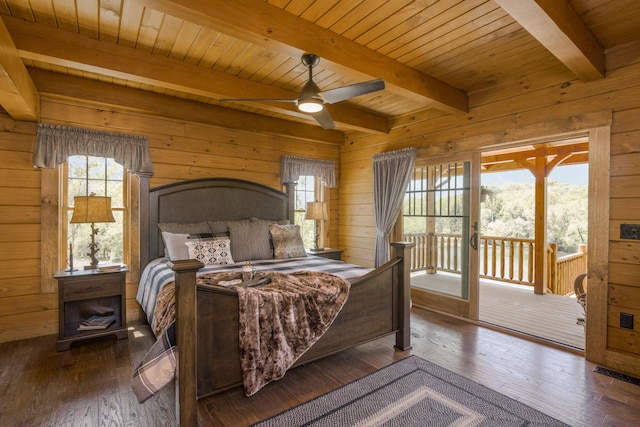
517,308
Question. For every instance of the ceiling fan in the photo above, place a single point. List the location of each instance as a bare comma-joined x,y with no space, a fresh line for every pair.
311,99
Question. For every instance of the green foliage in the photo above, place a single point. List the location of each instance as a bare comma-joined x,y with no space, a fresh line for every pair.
509,211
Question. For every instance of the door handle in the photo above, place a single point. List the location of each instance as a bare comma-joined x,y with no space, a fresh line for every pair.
474,241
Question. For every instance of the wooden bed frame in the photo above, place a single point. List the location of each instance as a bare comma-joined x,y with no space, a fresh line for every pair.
378,303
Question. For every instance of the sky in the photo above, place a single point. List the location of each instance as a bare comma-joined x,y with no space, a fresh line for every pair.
571,174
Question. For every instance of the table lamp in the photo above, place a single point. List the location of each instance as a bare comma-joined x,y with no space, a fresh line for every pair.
318,212
92,209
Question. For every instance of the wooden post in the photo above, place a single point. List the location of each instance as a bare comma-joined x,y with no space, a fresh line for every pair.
186,324
540,225
403,336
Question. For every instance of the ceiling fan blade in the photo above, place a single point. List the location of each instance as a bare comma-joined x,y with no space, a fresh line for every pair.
324,118
338,94
257,99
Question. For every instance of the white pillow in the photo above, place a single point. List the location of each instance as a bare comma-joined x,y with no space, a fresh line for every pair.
174,245
210,252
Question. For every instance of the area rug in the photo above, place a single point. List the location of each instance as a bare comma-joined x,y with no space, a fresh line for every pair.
412,392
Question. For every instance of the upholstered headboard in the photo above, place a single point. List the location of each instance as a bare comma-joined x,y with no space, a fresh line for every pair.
209,199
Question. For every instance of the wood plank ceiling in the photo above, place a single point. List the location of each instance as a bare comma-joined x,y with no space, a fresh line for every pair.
433,55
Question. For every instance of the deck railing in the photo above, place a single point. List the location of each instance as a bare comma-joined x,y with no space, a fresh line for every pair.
567,268
504,259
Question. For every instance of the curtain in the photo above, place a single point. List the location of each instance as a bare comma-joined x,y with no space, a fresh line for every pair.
54,144
294,167
391,173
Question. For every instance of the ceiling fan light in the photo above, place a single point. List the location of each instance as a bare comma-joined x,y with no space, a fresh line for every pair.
310,105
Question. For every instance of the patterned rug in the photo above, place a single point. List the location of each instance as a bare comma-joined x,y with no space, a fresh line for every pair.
412,392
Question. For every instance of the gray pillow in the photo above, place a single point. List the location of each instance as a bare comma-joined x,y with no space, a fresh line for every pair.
287,241
221,228
185,228
182,228
249,240
271,221
175,245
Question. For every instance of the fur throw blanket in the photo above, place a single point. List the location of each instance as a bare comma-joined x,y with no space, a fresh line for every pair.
278,321
282,320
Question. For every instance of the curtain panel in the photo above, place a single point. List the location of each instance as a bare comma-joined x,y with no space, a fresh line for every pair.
54,144
294,167
391,174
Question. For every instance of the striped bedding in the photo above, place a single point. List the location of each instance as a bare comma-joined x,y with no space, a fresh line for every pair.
157,274
157,368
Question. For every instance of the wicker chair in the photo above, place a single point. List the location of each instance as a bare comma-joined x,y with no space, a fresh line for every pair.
579,288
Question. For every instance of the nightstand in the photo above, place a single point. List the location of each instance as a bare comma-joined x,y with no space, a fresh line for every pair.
327,253
84,293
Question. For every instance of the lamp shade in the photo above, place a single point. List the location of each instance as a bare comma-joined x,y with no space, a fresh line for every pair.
91,208
317,211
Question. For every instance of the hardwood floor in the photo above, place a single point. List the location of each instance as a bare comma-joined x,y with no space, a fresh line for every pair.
89,384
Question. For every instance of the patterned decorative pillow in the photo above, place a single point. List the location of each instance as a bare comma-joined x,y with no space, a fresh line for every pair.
249,240
287,241
210,252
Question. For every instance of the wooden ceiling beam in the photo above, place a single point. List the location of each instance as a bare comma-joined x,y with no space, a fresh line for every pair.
533,152
18,95
266,25
66,49
558,28
76,88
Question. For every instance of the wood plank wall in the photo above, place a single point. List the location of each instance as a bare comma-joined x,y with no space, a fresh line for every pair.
180,150
528,107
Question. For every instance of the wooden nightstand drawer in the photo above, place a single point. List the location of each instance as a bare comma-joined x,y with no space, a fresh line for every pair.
97,287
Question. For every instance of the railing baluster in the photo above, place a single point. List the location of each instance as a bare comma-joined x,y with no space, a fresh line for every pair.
511,260
455,253
485,255
493,257
520,260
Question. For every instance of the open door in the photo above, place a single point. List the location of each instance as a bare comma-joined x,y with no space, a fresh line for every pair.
442,201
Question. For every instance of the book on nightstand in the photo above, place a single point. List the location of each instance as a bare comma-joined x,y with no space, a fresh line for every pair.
97,322
111,267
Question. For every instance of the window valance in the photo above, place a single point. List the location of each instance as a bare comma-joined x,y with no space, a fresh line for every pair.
295,167
54,144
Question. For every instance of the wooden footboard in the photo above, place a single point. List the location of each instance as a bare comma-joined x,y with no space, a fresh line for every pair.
207,322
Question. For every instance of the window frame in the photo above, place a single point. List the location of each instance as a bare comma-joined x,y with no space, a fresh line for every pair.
64,209
318,196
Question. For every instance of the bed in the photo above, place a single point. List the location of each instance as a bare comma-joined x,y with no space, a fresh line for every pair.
207,316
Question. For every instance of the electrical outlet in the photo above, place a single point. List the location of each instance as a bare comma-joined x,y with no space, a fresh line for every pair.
630,231
626,320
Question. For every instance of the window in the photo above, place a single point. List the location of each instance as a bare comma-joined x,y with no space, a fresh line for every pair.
305,192
102,176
